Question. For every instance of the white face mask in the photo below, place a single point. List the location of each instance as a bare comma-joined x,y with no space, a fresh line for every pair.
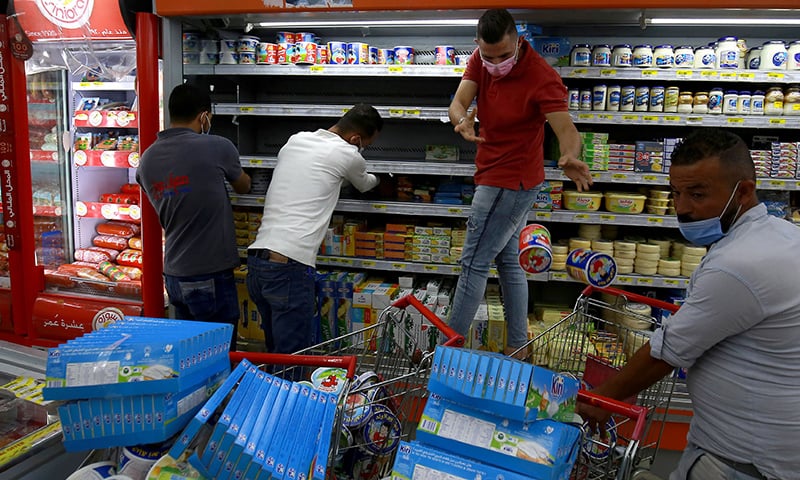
207,118
501,69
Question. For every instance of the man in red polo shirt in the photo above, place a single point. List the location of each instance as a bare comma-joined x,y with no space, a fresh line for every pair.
517,92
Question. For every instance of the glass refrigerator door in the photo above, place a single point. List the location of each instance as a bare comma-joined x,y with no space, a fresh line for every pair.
47,115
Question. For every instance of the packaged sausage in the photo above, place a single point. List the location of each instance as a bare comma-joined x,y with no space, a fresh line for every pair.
90,274
92,255
135,243
85,264
112,271
110,241
70,268
52,277
130,258
108,198
130,188
127,198
121,229
133,272
132,288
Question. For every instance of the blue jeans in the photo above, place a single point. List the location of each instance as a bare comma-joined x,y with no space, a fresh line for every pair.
208,298
493,229
285,296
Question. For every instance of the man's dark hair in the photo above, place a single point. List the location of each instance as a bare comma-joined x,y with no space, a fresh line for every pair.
730,149
495,24
186,101
362,119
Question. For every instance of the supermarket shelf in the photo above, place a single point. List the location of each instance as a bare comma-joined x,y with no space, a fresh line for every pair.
103,86
336,111
106,158
656,281
777,184
329,70
106,119
675,119
247,200
610,73
109,211
607,218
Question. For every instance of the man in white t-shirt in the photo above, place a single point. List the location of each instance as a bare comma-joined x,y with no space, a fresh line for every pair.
297,210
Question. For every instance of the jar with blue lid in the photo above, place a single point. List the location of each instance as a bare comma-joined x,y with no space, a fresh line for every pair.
601,56
581,55
643,56
773,55
684,56
622,55
753,58
664,56
715,100
705,57
727,52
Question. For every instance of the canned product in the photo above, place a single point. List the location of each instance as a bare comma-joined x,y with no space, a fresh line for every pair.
337,53
322,53
305,37
357,53
191,42
386,56
305,53
403,55
267,54
373,55
594,268
284,37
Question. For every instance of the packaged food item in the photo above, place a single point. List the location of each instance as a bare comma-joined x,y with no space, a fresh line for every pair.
115,227
112,271
130,258
134,273
95,254
135,243
110,241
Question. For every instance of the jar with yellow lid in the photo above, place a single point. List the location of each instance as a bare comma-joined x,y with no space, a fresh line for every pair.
685,100
700,103
791,101
773,101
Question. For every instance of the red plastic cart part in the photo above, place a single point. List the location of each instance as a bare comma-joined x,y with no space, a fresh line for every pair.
636,413
453,338
347,362
653,302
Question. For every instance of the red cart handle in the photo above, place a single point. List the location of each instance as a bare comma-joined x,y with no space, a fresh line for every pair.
453,338
634,412
347,362
653,302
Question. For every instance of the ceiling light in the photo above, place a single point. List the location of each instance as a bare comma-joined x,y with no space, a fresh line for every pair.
774,22
371,23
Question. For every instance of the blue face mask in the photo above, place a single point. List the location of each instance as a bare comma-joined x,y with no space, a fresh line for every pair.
705,232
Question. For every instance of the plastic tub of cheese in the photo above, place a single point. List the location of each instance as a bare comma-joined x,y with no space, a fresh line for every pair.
587,201
621,202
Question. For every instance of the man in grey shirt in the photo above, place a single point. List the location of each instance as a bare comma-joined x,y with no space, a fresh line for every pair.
738,332
183,174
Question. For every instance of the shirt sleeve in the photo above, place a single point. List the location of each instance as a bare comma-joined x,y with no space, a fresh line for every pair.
357,174
229,160
474,66
551,94
719,306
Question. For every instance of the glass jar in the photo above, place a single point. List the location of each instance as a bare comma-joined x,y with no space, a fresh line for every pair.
753,59
773,101
704,57
580,56
757,103
664,56
700,104
743,102
727,52
601,56
773,55
791,101
715,99
643,56
622,55
685,100
684,57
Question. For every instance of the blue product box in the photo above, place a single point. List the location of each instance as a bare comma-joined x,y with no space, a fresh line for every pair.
415,460
544,449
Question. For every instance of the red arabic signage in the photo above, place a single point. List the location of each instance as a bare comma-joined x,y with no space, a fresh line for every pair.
8,173
47,20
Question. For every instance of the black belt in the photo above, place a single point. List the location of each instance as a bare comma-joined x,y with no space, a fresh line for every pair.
745,468
269,255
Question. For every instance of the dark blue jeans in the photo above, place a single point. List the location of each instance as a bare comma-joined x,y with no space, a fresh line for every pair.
208,298
285,297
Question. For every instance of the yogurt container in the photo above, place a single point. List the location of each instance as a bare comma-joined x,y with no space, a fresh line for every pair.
209,45
337,53
190,42
267,54
588,266
228,58
305,53
209,58
373,55
357,53
386,56
94,471
284,37
403,55
381,433
228,45
445,55
247,44
191,58
247,58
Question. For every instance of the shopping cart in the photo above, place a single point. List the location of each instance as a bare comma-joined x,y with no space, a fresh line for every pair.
393,357
592,343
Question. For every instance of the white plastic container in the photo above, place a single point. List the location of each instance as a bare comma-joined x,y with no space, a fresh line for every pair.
580,56
627,98
671,96
643,56
586,99
684,57
656,99
757,103
642,101
727,53
715,99
753,58
613,95
773,55
664,56
793,56
574,99
622,56
601,56
704,57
